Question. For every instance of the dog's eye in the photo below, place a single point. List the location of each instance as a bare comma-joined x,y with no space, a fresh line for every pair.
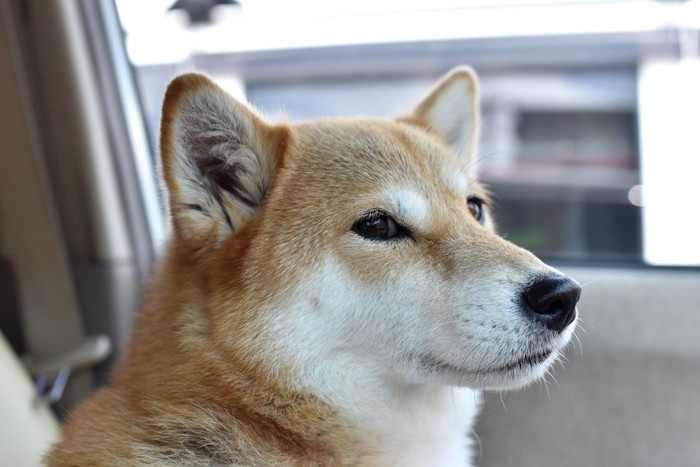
476,208
378,226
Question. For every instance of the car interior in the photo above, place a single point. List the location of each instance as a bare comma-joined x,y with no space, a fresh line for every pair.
589,145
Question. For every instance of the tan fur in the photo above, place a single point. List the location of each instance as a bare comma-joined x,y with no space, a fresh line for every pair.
203,382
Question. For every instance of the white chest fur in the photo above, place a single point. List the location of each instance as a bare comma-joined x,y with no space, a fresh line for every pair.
426,426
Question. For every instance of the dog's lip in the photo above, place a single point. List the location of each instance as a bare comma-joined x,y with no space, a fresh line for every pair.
526,362
523,363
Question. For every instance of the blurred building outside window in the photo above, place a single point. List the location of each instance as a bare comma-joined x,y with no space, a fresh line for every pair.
590,108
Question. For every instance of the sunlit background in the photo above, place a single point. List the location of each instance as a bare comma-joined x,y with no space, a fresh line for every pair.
589,107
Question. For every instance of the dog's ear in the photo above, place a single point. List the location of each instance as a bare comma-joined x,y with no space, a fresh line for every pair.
218,158
451,109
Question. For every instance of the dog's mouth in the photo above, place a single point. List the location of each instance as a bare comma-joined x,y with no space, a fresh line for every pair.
524,363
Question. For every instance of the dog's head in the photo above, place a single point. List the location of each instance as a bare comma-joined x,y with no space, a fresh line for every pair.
358,242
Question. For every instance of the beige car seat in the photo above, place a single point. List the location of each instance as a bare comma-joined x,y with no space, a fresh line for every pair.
27,425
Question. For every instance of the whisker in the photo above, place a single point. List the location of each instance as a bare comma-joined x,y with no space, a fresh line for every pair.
503,403
480,446
549,373
592,281
578,344
545,384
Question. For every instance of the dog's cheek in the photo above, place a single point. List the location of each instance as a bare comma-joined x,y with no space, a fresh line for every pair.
373,297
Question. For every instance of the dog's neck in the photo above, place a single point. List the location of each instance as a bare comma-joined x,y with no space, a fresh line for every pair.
401,424
424,425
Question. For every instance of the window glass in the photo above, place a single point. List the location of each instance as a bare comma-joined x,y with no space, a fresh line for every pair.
561,98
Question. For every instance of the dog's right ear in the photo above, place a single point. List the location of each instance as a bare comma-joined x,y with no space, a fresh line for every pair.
218,158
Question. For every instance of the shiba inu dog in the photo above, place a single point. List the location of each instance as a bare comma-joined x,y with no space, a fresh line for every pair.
333,293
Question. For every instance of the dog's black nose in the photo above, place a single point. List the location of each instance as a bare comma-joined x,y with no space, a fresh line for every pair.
552,300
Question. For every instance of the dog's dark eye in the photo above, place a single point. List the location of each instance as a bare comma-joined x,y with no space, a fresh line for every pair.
476,208
378,226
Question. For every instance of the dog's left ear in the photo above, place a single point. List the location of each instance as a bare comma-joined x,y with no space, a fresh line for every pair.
451,109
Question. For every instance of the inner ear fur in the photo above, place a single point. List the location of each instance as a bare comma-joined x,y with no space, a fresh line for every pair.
451,110
218,157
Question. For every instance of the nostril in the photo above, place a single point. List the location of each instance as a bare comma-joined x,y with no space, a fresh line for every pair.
556,307
552,301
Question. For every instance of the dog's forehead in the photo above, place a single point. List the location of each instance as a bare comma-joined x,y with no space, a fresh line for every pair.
379,151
